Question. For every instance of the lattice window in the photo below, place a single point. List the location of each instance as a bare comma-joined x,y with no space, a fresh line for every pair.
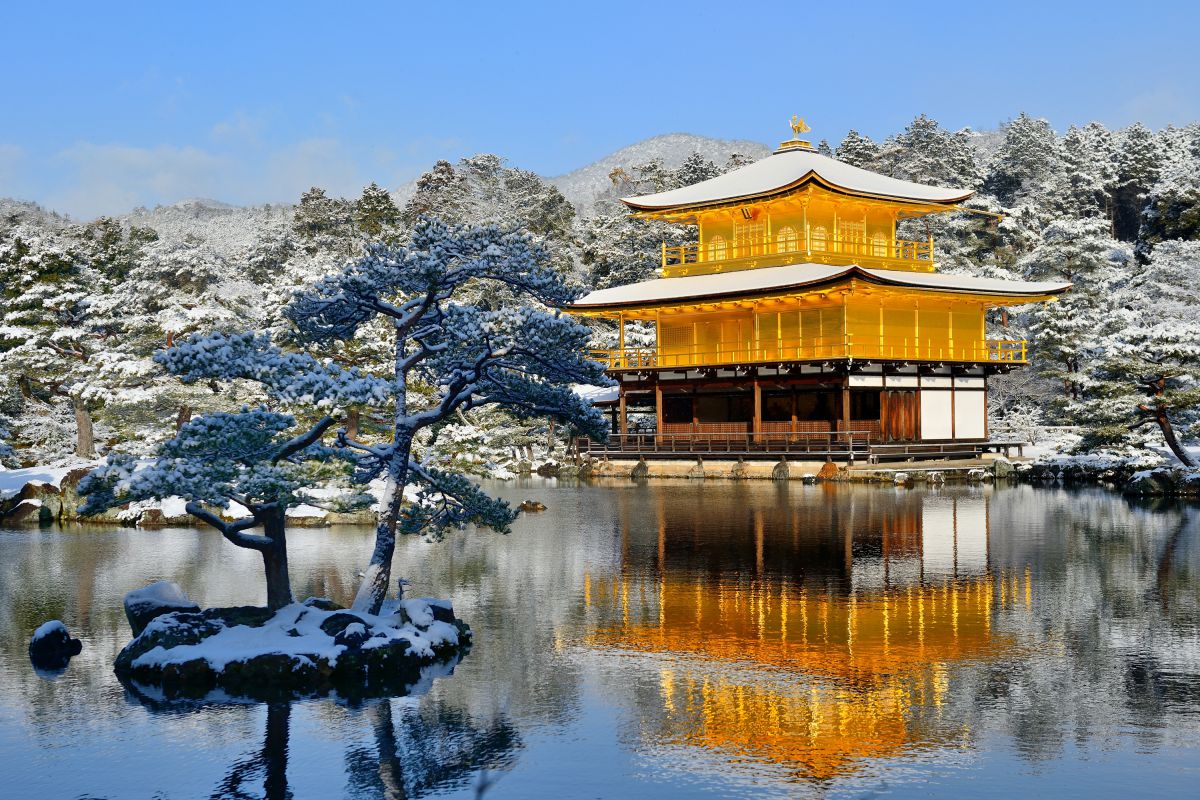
820,238
786,240
879,245
853,235
717,248
748,237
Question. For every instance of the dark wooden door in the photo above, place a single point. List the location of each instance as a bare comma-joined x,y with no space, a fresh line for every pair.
899,411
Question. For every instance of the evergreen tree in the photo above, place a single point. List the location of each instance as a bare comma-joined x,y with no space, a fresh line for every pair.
1066,332
926,153
1172,210
440,193
258,459
1027,164
694,169
322,222
1088,177
519,358
1139,162
858,150
46,333
1147,372
375,213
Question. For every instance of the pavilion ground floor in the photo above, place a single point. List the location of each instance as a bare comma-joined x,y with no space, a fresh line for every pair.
836,411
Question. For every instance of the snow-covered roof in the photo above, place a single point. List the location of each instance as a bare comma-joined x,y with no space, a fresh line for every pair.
790,168
771,280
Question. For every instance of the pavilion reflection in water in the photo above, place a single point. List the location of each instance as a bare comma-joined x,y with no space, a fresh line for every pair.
813,632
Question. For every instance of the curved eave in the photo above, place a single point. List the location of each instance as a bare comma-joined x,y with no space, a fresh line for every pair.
810,177
997,294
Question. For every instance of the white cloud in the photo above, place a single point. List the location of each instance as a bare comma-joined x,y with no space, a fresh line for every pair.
111,179
241,128
89,179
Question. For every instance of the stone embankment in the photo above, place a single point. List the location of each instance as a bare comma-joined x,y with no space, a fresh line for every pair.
906,474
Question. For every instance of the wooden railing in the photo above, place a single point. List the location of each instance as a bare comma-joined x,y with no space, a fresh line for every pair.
827,444
889,252
835,445
1005,351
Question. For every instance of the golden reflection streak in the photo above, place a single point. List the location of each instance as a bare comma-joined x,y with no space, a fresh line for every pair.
879,660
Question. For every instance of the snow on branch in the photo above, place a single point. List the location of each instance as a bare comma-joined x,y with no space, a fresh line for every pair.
292,377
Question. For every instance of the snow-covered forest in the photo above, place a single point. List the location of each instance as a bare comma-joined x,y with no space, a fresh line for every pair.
87,304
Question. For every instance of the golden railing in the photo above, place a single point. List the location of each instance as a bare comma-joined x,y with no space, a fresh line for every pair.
1006,351
890,251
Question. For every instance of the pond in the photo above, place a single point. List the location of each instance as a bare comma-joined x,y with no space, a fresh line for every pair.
667,640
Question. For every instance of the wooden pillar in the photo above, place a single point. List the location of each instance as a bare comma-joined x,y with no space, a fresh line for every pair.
622,418
621,336
757,409
846,403
658,408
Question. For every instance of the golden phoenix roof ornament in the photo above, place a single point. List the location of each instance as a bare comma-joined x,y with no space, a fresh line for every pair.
798,126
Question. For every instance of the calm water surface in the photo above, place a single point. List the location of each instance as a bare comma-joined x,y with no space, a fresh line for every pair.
673,640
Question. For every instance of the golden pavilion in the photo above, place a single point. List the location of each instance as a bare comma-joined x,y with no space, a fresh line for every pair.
799,322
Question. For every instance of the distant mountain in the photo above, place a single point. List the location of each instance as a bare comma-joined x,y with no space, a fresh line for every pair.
230,229
226,228
583,185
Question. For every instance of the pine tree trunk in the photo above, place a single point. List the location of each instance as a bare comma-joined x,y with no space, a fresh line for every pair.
1168,432
85,444
378,573
352,422
183,417
275,561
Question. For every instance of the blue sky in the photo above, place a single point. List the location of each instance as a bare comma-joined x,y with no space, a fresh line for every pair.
108,106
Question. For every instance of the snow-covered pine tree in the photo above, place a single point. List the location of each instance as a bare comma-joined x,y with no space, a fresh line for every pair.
1139,162
322,222
519,358
1065,332
694,169
1027,165
1148,370
1089,175
257,459
858,150
926,153
47,335
375,213
1172,210
440,192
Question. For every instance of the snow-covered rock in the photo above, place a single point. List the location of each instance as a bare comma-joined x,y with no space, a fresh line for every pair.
51,645
302,649
161,597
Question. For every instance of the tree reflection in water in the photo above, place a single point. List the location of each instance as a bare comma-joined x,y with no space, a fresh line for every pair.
419,750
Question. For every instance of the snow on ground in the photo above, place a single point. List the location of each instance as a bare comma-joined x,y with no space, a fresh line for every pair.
295,631
12,480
